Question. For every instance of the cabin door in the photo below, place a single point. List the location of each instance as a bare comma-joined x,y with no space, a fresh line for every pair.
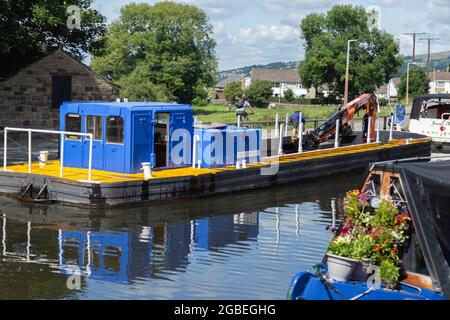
142,145
161,138
114,147
72,144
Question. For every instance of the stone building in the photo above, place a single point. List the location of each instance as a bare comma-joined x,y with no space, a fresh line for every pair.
31,97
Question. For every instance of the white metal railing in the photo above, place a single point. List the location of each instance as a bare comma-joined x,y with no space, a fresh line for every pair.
62,134
336,142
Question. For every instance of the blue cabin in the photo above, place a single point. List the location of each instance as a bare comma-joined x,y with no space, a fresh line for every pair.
126,134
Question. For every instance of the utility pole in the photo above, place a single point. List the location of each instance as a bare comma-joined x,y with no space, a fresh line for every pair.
429,39
414,34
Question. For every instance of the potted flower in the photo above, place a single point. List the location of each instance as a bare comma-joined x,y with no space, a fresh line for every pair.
369,236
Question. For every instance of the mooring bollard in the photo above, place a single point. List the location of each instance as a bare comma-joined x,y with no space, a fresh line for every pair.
43,158
238,121
147,168
391,130
336,135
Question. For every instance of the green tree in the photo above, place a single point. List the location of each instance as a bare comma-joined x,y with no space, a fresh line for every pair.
259,92
233,91
419,83
289,95
373,59
169,43
29,29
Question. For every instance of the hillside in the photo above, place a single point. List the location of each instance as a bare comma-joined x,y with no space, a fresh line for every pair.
247,69
439,60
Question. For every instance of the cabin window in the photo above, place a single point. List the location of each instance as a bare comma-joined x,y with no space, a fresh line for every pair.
114,130
94,125
73,124
61,90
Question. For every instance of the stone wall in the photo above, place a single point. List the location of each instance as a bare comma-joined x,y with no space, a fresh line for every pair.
26,97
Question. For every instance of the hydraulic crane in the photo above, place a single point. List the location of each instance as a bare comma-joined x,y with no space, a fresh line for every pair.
326,131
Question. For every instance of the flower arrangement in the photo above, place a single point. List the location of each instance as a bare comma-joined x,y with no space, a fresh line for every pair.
373,235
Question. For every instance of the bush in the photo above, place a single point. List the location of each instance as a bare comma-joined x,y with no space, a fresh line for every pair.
259,92
289,95
233,91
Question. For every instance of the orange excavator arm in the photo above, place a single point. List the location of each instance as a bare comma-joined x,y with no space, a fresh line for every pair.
323,133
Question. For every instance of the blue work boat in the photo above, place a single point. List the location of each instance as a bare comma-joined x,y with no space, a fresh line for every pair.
424,187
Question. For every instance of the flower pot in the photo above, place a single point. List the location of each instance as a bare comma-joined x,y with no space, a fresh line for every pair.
341,268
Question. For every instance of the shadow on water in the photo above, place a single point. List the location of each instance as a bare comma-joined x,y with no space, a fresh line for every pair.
237,246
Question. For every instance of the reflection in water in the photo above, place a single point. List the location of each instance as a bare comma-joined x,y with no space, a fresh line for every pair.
240,246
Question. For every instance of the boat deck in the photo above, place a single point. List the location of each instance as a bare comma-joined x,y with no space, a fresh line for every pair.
52,168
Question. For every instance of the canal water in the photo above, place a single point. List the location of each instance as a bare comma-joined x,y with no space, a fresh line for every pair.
241,246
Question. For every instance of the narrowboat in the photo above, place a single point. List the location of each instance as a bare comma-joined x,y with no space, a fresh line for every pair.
424,188
430,116
122,153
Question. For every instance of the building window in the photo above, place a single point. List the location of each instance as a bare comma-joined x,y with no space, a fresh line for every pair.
440,84
94,125
276,85
114,130
61,90
73,124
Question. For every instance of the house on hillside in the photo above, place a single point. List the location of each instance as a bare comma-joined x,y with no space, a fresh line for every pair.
220,86
281,81
439,82
32,96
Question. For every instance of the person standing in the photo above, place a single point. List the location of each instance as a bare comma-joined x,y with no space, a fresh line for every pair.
295,122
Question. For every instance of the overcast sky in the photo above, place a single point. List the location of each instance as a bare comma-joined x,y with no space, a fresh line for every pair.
262,31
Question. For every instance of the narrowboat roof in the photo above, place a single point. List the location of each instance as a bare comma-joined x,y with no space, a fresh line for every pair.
131,105
427,190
